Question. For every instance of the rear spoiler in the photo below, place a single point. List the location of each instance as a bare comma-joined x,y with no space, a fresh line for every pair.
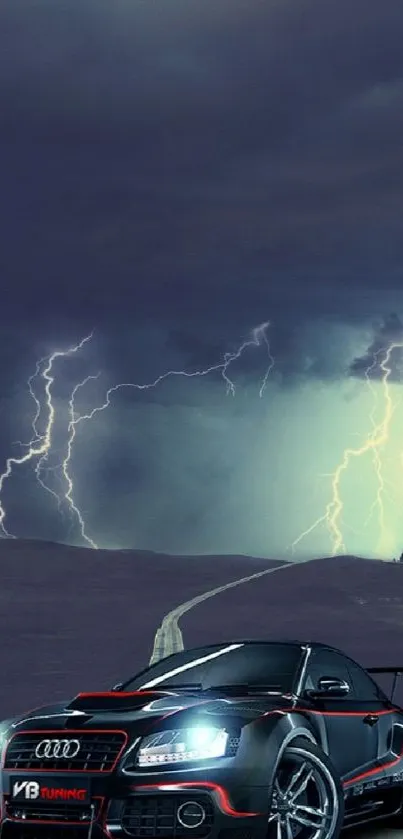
396,672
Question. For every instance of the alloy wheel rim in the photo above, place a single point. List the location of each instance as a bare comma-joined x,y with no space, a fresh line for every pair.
304,802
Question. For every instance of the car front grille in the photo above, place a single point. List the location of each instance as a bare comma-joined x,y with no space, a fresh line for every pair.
98,751
155,816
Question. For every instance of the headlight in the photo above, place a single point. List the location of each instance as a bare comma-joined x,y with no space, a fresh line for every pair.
187,744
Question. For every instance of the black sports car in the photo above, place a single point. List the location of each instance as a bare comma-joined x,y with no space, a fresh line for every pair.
244,740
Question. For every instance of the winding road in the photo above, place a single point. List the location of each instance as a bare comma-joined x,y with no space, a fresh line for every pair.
169,639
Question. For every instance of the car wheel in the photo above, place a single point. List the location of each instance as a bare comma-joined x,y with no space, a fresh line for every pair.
307,798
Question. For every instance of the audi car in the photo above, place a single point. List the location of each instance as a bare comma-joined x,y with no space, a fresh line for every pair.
239,740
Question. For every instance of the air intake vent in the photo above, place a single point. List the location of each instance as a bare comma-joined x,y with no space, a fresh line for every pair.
114,701
232,746
156,816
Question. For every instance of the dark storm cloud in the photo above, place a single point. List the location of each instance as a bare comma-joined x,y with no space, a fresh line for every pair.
176,172
213,154
386,344
194,348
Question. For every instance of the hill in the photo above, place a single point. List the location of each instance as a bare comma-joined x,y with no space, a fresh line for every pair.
72,618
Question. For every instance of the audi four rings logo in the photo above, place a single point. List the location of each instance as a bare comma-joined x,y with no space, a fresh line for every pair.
48,749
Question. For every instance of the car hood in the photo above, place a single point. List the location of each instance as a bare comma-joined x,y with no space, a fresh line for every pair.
139,709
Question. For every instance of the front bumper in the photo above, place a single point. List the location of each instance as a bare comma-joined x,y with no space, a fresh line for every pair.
167,808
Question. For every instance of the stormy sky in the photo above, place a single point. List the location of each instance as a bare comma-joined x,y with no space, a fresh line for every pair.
175,173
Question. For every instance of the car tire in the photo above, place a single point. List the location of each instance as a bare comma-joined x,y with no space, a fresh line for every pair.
307,796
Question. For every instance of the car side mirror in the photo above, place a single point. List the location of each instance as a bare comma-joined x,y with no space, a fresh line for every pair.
330,687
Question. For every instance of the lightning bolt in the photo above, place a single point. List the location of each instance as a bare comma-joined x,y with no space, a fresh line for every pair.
34,424
376,459
257,338
40,444
37,439
374,443
74,420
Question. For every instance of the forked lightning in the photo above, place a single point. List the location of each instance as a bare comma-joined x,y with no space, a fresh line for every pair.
374,443
40,445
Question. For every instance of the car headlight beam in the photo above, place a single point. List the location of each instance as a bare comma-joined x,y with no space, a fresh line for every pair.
188,744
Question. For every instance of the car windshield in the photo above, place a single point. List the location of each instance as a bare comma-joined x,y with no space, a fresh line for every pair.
271,666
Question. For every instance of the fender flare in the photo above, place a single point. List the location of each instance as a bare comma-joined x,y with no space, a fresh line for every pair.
298,731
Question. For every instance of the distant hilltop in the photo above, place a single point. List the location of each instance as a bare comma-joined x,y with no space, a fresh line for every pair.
18,545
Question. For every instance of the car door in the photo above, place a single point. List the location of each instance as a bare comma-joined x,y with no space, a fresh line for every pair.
371,699
350,724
